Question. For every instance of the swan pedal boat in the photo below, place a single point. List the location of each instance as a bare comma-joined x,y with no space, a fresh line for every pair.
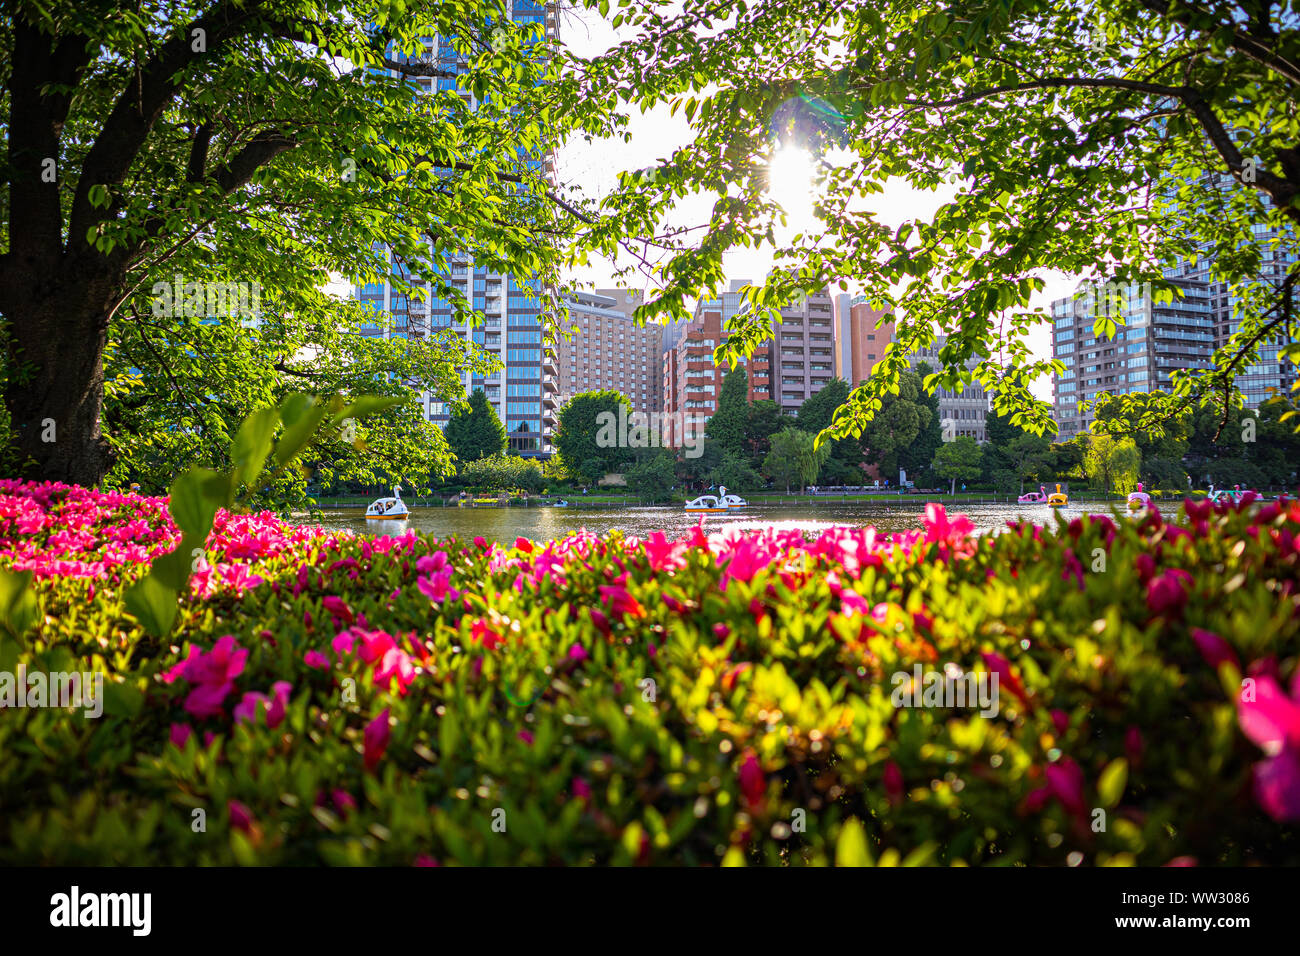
389,509
710,503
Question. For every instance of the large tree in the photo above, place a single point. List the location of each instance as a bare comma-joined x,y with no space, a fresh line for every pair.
959,458
1108,140
794,458
597,434
726,426
255,143
902,416
763,419
1113,463
475,431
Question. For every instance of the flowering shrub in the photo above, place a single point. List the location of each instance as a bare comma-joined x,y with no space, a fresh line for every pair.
715,699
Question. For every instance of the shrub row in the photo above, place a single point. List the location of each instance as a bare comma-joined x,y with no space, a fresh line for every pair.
334,699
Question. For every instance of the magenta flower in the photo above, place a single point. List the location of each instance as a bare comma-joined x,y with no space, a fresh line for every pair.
1215,649
753,785
620,602
1271,719
939,528
241,818
317,660
578,653
395,665
435,587
212,674
893,781
997,664
343,802
375,740
181,734
1167,594
338,608
432,563
275,705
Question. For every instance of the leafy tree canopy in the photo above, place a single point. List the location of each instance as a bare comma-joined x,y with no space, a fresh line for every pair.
1108,140
257,143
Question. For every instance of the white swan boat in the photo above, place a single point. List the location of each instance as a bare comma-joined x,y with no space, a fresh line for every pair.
389,509
719,502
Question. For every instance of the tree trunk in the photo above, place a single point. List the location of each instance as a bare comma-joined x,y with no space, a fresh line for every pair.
57,335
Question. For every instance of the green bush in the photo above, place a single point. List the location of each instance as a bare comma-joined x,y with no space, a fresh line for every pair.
342,700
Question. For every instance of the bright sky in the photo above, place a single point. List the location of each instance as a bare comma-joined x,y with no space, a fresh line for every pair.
654,136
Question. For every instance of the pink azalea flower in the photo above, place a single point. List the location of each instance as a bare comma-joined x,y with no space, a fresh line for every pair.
620,602
753,785
343,802
241,818
317,660
375,740
435,587
431,563
893,781
1272,721
1215,649
999,665
180,734
338,608
275,705
577,653
482,633
395,665
1167,594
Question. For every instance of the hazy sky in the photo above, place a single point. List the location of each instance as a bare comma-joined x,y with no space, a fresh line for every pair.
656,134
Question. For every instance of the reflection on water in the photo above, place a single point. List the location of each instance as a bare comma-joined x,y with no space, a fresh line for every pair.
543,523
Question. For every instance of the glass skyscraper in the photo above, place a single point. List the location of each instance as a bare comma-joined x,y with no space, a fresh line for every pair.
516,323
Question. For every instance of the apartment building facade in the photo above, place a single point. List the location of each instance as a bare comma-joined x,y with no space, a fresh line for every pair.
1158,339
859,343
1154,339
524,391
605,349
960,413
691,382
789,368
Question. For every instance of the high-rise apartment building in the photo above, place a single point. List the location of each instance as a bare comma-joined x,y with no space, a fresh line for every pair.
789,368
523,392
859,344
1154,339
607,350
1158,339
691,382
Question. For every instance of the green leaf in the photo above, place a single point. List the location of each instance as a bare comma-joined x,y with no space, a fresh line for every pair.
153,604
19,609
368,405
851,848
252,445
302,416
1110,785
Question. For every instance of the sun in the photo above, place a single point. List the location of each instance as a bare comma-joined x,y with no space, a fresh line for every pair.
790,184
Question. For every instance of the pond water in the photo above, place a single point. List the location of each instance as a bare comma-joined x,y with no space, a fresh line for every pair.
543,523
